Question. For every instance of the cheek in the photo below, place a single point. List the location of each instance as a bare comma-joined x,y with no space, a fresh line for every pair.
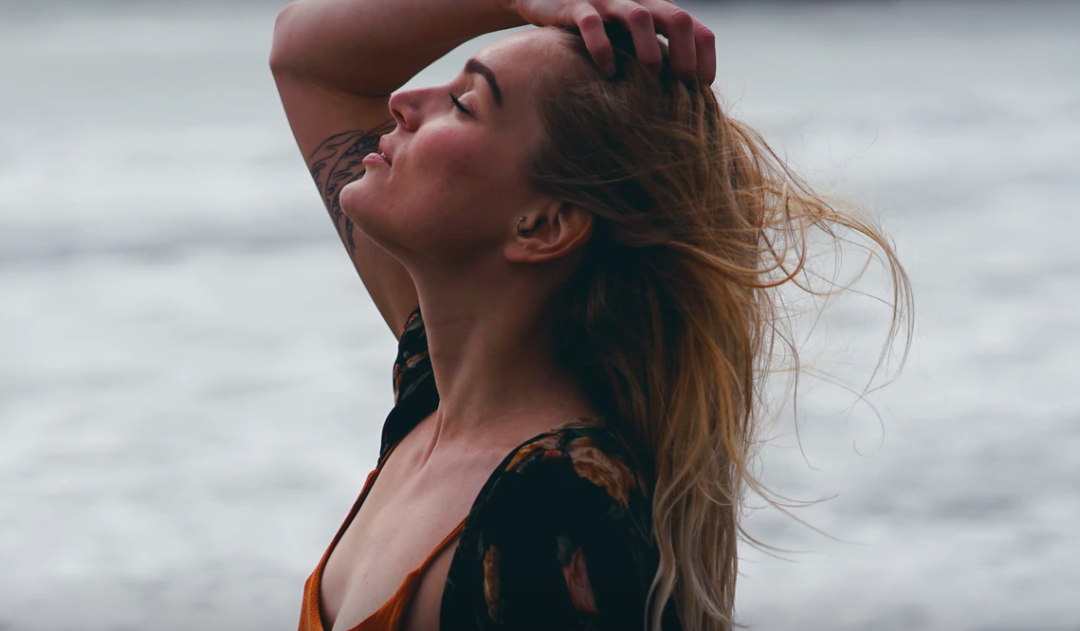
451,166
460,167
449,196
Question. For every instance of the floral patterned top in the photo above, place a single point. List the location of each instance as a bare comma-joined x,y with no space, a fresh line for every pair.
559,536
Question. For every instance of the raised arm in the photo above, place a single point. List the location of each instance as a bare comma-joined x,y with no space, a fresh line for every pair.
336,62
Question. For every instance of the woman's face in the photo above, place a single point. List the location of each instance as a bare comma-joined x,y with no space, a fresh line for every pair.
456,184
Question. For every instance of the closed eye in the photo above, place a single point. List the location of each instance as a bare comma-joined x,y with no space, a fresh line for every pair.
457,104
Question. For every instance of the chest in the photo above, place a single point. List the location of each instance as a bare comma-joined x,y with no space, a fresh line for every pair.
407,513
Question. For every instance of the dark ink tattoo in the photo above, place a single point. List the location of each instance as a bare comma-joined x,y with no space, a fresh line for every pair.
338,161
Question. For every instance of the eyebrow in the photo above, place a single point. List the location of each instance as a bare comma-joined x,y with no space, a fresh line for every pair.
475,67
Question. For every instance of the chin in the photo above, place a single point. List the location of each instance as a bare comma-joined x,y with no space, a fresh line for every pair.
352,194
357,203
367,214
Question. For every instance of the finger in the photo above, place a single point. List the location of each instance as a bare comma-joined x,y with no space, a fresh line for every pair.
706,53
678,27
591,26
639,21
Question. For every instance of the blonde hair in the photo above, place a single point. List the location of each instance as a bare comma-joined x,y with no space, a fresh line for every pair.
671,320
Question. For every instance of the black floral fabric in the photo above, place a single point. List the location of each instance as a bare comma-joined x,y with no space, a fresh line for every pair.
559,537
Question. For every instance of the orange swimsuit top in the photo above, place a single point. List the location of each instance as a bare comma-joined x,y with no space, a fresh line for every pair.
391,615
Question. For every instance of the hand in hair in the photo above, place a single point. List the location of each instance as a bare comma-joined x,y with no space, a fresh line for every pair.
692,44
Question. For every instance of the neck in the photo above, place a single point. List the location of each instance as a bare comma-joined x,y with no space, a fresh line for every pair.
492,356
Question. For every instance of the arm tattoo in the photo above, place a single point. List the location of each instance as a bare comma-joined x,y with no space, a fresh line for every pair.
338,161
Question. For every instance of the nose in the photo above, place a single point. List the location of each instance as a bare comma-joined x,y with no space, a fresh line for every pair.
404,107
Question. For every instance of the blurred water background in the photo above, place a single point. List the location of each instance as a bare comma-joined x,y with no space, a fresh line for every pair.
193,379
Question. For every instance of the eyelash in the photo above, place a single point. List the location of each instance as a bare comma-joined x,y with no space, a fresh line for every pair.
457,104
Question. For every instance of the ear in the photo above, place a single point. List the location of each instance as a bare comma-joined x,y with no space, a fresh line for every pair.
553,232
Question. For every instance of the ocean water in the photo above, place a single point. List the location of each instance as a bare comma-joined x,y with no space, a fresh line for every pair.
193,379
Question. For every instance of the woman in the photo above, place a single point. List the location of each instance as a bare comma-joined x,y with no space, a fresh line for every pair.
588,238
